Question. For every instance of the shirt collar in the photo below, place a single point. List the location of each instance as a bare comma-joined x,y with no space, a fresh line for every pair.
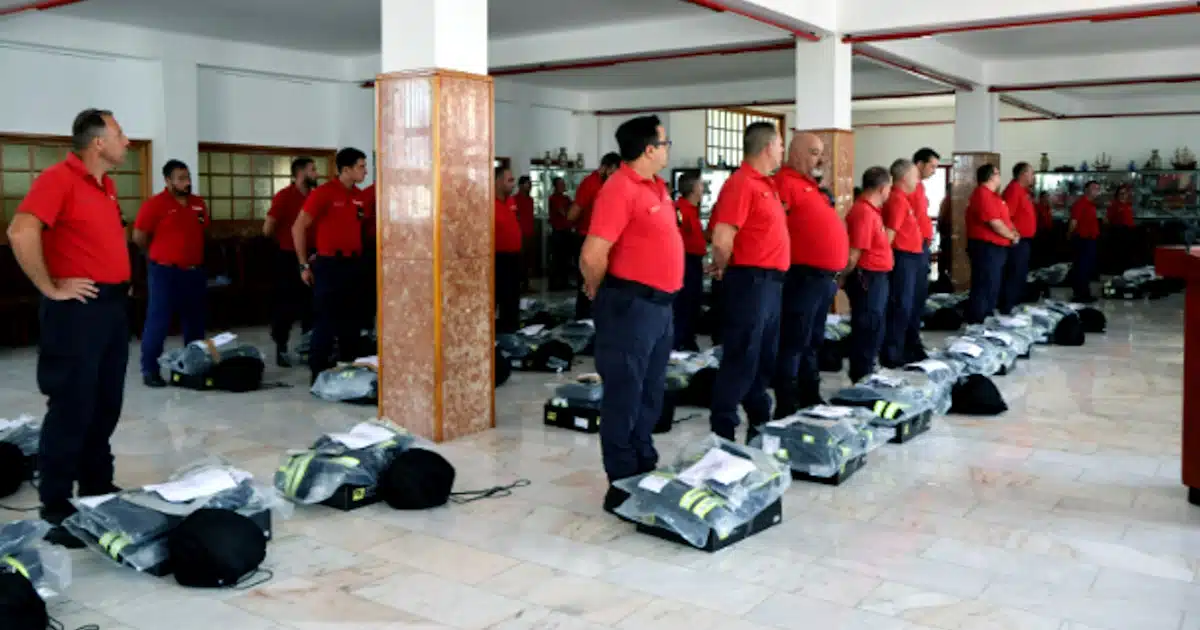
753,172
866,202
788,171
636,178
74,163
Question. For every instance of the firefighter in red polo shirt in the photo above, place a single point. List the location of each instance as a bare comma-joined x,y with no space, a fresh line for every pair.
1024,219
581,213
695,248
1084,229
508,254
867,272
927,161
819,251
632,266
908,263
751,254
68,238
335,211
563,248
170,227
990,234
291,298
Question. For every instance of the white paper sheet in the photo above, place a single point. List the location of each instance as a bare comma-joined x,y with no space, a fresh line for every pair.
372,361
202,484
1004,338
719,466
828,411
771,444
532,330
653,483
223,338
95,502
1014,321
967,348
929,366
363,434
676,355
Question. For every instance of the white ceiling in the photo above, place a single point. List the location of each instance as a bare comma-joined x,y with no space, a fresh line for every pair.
1113,92
1079,38
520,17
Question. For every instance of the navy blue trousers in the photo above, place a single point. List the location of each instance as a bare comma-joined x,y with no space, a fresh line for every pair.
1084,266
687,303
987,279
633,343
172,292
901,309
807,295
1016,275
868,295
914,349
751,304
335,304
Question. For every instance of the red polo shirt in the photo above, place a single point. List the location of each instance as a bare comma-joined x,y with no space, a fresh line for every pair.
559,204
176,230
367,197
986,206
1045,218
1120,213
285,207
585,197
864,223
337,213
817,235
694,242
525,214
1020,208
84,237
898,216
920,206
635,215
1087,223
749,202
508,228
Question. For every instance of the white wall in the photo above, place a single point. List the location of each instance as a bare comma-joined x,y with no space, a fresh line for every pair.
243,108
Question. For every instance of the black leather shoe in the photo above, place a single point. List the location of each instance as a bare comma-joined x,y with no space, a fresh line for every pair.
614,498
58,535
154,381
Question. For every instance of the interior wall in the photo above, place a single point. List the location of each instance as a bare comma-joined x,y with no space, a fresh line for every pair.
242,108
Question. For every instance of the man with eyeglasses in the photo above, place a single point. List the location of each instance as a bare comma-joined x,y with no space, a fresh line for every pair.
632,266
751,253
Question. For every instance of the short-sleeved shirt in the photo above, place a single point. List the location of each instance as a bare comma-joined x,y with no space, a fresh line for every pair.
285,207
636,215
749,202
984,207
337,213
1045,217
508,227
367,196
1087,223
864,223
688,217
585,197
920,206
1020,208
525,214
816,233
84,237
559,204
176,229
1120,213
899,216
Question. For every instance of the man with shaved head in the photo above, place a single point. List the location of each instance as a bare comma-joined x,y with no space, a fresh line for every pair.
819,250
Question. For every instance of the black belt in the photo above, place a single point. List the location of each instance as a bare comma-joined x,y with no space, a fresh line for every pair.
179,267
758,272
111,291
340,256
638,289
810,271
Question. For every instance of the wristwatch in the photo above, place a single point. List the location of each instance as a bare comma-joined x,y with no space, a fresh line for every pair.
305,267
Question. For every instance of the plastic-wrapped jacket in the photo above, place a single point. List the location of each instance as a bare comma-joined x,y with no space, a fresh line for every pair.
818,441
976,356
348,382
314,475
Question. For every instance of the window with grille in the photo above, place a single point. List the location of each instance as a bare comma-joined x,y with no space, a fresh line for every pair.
23,158
724,129
238,182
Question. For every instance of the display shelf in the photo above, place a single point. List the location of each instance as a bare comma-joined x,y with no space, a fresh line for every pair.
713,177
1158,196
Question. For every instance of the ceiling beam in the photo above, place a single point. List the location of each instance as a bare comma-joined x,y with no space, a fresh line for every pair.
909,67
614,61
1117,68
44,5
799,32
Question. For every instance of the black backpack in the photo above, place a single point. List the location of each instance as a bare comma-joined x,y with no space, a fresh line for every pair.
215,548
1092,320
21,607
237,374
1068,331
976,395
417,479
14,469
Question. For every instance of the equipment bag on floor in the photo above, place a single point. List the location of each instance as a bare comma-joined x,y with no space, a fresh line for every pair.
819,441
1067,326
1021,325
19,441
417,479
1136,284
837,341
1091,319
579,335
683,366
1013,343
354,458
534,349
943,312
977,395
355,383
894,396
503,367
214,548
1055,275
711,488
220,362
976,355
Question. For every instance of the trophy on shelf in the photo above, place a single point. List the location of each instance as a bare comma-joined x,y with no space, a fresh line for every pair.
1155,162
1103,162
562,156
1184,160
1044,163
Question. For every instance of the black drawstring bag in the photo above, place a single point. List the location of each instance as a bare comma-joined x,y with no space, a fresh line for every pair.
215,548
1069,331
503,368
1092,320
945,318
552,356
831,353
21,608
238,374
417,479
976,395
14,469
699,389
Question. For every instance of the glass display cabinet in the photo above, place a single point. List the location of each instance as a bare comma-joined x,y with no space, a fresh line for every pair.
713,178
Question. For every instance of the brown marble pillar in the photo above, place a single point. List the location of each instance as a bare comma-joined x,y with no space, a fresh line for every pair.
435,222
962,184
839,165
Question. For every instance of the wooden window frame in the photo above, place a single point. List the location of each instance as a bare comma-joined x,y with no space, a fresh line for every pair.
737,133
140,150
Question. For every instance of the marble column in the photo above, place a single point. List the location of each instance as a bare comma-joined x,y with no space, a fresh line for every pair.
434,175
823,107
976,120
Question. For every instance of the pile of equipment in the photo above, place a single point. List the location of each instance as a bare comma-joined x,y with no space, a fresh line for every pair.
823,443
535,349
576,406
834,348
1139,283
19,441
221,362
356,383
31,572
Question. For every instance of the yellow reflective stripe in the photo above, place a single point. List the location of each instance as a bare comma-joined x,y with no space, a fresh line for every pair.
16,565
807,439
115,549
299,466
706,505
690,497
107,539
344,460
894,409
880,405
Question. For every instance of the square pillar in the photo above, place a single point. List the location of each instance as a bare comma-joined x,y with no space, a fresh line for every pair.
435,219
976,119
823,107
178,130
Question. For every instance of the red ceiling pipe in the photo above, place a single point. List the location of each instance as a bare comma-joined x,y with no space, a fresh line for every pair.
1037,87
723,8
881,97
1029,107
688,108
1022,119
37,6
604,63
1113,16
908,67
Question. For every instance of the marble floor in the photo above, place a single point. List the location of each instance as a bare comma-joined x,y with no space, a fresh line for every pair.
1064,514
